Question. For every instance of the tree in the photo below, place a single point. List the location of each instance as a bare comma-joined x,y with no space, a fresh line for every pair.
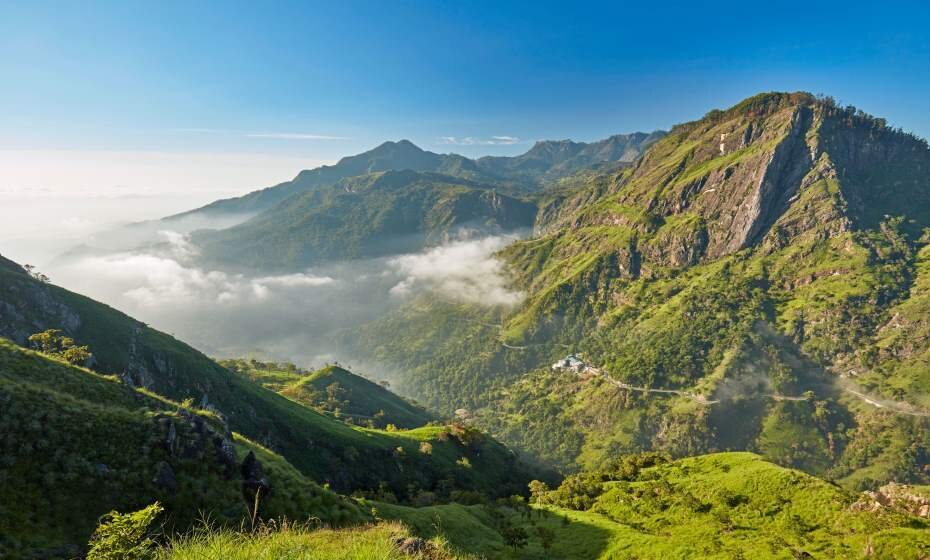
334,394
53,343
514,537
31,270
538,490
546,538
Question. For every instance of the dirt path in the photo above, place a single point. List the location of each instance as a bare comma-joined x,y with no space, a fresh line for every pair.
700,399
892,406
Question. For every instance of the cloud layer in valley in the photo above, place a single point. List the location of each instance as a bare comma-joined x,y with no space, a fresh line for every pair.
289,316
463,270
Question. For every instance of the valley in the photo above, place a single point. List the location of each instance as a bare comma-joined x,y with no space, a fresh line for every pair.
709,342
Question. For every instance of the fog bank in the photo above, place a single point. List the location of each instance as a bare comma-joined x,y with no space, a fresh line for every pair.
283,317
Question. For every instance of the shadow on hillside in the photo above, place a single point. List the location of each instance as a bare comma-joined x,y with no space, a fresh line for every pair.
576,539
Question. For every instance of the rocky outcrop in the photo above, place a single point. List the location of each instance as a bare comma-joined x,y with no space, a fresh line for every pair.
254,483
898,497
415,546
28,306
194,438
779,180
165,478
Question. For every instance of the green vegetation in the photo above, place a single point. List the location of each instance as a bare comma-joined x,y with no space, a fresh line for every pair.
124,536
733,505
335,391
373,215
779,327
382,542
76,444
759,281
53,343
319,446
728,505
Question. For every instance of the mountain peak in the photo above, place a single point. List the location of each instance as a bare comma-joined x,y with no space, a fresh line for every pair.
770,169
402,144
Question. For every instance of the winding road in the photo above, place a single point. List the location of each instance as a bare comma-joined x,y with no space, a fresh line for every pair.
891,406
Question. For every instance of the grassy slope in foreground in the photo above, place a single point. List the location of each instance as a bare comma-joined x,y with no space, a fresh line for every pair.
320,447
354,397
722,506
365,543
75,444
735,505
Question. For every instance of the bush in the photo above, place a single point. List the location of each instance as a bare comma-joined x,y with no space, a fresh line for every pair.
53,343
126,536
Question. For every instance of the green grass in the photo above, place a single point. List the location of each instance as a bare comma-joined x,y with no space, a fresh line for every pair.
320,447
76,444
337,392
645,276
375,542
735,505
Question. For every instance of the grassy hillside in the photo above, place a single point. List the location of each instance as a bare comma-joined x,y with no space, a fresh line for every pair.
727,505
734,505
320,447
76,444
371,215
722,506
754,282
336,392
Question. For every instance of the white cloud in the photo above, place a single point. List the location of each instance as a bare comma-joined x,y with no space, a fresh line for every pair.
179,243
149,280
297,316
259,134
76,224
293,136
473,141
464,270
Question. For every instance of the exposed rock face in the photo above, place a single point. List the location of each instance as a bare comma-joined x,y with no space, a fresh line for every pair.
164,477
772,169
254,482
196,439
779,180
28,307
898,497
414,546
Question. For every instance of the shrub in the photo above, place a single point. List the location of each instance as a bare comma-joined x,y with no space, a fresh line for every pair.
53,343
124,536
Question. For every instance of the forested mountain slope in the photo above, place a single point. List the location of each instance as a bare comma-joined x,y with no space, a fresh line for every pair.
545,161
371,215
319,446
755,281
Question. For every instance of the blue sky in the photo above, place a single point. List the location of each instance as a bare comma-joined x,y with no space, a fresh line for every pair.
298,83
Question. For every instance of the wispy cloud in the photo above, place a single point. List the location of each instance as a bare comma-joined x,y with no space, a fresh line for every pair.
473,141
253,134
293,136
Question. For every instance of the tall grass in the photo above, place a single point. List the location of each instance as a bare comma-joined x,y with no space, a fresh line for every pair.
287,541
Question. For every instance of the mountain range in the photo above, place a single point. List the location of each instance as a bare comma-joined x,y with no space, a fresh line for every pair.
755,281
547,160
717,346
